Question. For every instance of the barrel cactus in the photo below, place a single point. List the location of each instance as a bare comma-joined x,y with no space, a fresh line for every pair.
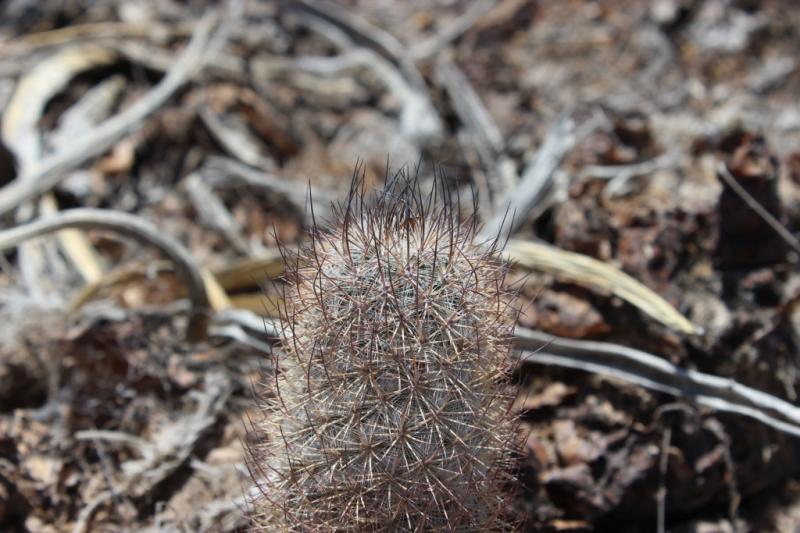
391,408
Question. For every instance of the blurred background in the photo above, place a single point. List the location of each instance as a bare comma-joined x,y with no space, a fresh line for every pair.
660,140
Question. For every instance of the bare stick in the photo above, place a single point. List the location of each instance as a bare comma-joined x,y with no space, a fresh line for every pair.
213,211
86,514
433,45
774,223
661,495
363,33
89,31
655,373
588,271
135,228
269,328
734,497
135,442
382,53
237,142
469,106
513,209
484,133
52,169
223,171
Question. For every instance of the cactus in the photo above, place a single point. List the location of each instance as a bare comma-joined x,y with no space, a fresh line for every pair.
391,411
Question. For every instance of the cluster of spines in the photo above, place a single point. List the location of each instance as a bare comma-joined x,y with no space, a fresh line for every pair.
391,408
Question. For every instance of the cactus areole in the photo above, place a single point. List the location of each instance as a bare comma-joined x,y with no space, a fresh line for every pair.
391,406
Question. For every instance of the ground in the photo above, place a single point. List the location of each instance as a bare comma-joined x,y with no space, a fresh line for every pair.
624,131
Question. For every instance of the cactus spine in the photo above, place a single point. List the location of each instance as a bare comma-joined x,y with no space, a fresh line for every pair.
391,409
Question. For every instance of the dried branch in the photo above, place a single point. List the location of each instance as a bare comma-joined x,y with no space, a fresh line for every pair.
86,514
251,271
211,210
21,133
532,256
116,277
265,328
175,441
35,89
133,227
363,33
661,493
652,372
92,30
419,120
514,208
233,171
485,135
433,45
379,51
596,274
52,169
235,141
169,449
785,234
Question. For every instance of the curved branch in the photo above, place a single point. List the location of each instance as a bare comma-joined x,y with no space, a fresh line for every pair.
595,274
53,168
136,228
655,373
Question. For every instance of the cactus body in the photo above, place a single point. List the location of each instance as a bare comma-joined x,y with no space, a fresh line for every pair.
391,410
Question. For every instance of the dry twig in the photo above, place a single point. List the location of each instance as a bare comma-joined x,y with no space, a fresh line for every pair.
535,179
652,372
52,169
379,51
136,228
214,213
433,45
588,271
780,229
222,171
484,133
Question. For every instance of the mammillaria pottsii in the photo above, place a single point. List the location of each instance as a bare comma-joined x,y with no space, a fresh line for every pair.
391,408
